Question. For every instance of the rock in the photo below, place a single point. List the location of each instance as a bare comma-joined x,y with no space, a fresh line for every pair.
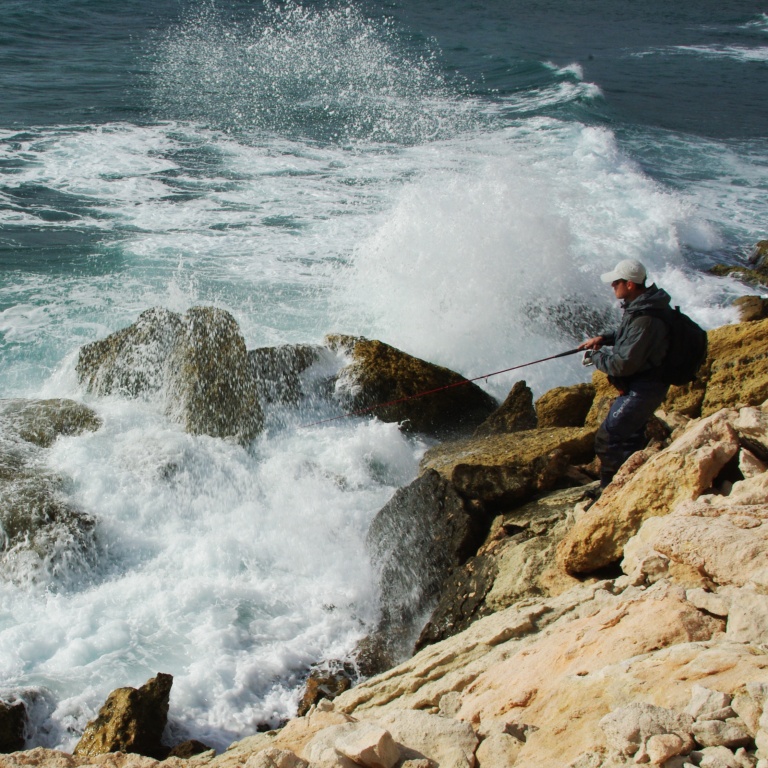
705,700
716,604
324,684
188,749
13,724
627,729
278,371
759,254
367,744
736,371
719,733
503,469
380,374
751,308
565,406
131,720
749,709
447,742
517,561
41,421
605,394
43,538
275,758
515,414
748,617
745,274
498,749
682,471
414,541
718,757
196,365
721,541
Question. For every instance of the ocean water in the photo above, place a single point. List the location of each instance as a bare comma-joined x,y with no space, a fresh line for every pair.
448,177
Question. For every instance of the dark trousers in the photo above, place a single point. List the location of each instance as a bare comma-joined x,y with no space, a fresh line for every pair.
623,431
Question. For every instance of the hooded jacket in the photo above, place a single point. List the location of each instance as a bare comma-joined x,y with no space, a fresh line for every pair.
640,342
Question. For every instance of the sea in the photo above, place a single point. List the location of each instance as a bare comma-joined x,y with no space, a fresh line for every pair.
448,176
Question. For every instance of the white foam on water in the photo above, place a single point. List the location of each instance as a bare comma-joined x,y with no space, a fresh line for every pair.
735,52
233,570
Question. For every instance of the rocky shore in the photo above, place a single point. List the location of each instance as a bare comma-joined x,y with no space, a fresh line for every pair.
522,623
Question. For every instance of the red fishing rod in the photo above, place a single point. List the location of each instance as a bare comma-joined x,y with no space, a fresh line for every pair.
438,389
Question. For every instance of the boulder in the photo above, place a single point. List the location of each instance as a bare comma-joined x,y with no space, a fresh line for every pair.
414,541
516,413
131,720
384,380
605,394
13,724
350,744
196,365
565,406
516,562
278,371
324,683
503,469
683,471
41,421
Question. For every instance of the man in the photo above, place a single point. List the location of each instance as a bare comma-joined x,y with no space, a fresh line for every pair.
638,348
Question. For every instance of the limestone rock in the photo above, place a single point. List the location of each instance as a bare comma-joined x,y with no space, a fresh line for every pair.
751,308
748,617
275,758
131,720
627,729
736,371
510,468
515,414
682,471
605,394
719,733
196,365
369,745
41,421
379,373
447,742
565,406
414,541
722,541
13,723
705,700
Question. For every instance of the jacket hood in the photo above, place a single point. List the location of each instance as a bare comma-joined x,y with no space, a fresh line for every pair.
653,298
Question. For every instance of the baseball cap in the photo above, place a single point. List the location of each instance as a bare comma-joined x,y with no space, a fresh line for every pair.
629,269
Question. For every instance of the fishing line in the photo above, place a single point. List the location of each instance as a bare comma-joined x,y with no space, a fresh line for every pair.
370,408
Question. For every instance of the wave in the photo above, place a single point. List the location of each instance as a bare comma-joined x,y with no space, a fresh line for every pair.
328,74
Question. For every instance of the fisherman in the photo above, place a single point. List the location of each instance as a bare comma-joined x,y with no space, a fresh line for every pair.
638,347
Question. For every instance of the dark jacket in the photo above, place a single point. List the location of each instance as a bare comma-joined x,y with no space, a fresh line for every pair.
640,342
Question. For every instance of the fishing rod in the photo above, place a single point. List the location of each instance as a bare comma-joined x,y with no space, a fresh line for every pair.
438,389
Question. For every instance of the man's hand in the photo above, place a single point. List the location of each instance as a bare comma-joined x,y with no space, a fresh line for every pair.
594,343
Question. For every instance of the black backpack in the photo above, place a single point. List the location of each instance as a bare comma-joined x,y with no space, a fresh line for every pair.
687,346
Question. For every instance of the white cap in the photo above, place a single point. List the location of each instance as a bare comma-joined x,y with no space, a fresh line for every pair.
629,269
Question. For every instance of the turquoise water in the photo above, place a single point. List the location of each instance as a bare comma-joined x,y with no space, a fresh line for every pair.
450,178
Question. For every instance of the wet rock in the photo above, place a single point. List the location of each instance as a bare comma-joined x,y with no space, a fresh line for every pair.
324,684
43,538
41,421
131,720
759,254
196,365
505,469
188,749
414,541
13,723
379,373
565,406
755,277
278,371
516,562
516,413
